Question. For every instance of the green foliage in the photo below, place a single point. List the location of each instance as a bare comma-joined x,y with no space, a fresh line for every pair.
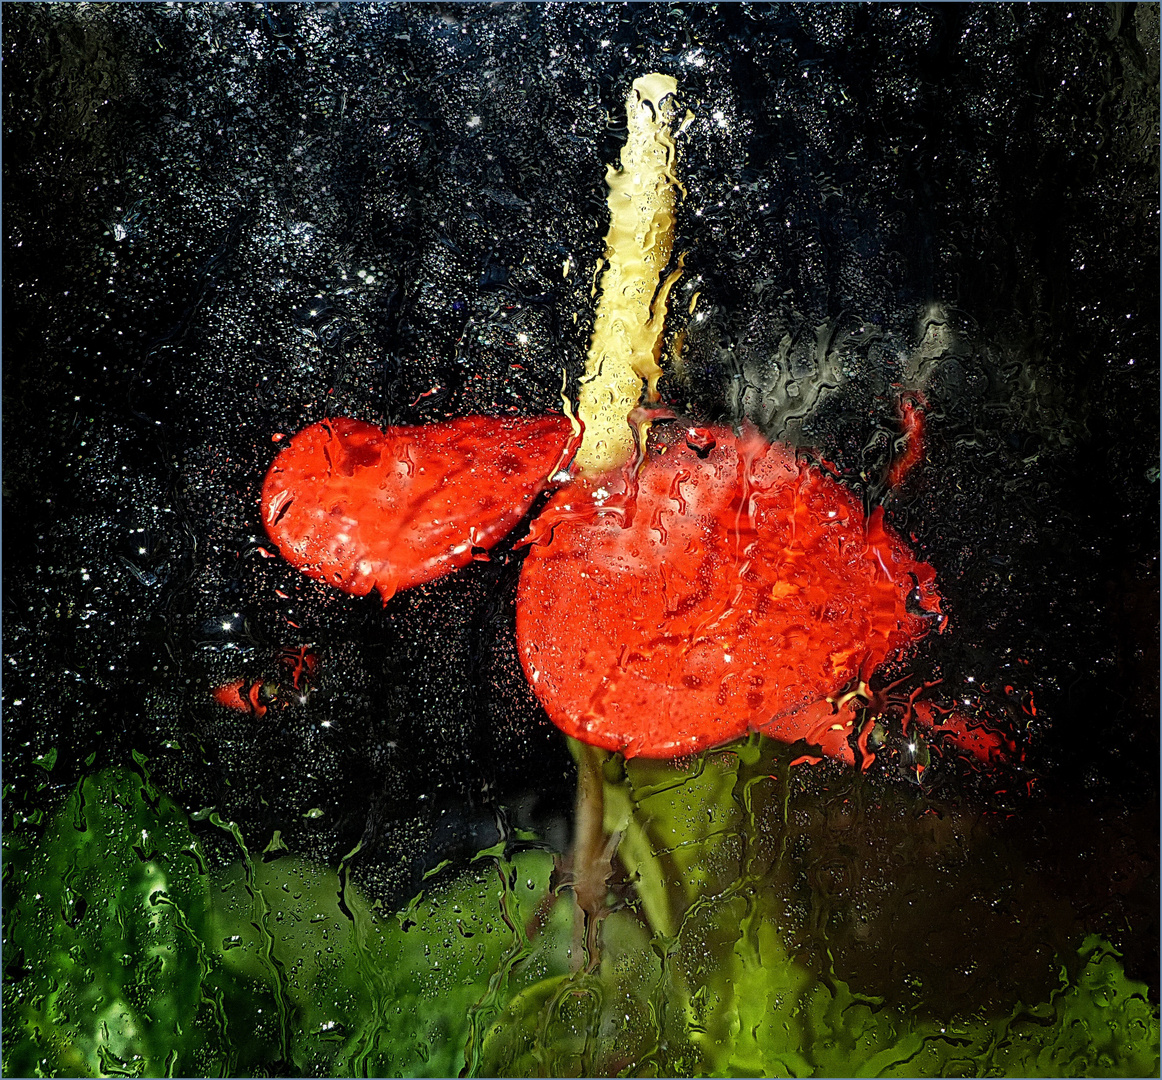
125,955
350,992
106,936
716,991
774,1019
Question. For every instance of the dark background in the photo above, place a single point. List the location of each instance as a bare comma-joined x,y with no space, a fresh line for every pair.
227,221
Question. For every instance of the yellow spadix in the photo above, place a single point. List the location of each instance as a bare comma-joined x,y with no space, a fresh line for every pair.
627,331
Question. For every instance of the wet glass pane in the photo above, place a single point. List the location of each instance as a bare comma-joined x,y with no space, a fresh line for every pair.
580,540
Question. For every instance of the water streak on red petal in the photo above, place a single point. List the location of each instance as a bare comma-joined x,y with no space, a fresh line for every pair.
230,696
912,418
987,744
240,697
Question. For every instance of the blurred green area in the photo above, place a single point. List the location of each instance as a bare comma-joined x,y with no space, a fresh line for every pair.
127,955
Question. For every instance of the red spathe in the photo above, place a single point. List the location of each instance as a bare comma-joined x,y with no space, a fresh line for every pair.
735,589
361,508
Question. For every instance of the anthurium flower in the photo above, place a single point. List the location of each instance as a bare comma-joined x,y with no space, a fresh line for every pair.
683,586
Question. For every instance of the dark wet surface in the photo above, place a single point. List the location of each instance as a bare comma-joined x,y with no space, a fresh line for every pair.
224,222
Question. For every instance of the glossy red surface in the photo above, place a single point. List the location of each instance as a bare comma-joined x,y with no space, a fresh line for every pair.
722,591
240,696
912,420
361,508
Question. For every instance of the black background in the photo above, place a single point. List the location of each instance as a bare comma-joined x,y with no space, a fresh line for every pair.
227,221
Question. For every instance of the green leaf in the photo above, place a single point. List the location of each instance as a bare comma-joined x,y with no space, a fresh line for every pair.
107,916
351,992
125,956
582,1023
704,854
47,760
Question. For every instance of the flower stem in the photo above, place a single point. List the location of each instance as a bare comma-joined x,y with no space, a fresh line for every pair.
591,853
